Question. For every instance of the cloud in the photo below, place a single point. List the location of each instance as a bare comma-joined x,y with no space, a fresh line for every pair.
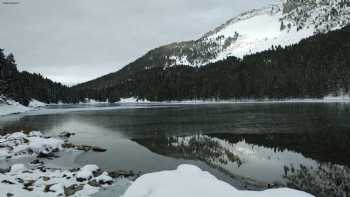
75,41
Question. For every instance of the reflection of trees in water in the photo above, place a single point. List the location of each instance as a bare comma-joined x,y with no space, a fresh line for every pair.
328,180
325,146
197,147
203,148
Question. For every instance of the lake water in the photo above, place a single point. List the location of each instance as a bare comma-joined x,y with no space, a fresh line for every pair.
252,146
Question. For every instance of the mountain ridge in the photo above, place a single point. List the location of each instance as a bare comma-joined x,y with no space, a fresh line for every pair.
291,21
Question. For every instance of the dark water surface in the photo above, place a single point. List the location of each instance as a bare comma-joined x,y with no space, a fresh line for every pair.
300,145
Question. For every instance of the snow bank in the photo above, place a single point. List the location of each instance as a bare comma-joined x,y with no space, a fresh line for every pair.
19,144
9,106
189,181
88,101
35,178
87,172
133,100
22,181
35,103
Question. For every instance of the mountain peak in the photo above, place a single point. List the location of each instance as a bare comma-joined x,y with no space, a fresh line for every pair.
259,29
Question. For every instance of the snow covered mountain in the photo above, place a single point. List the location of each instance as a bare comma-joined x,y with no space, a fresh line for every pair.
254,31
259,30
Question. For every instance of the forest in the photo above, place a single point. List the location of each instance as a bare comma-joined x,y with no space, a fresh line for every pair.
24,86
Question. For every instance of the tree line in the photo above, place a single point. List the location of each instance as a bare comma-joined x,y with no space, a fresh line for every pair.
24,86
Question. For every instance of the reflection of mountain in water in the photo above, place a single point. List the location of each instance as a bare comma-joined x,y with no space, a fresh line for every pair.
325,146
241,158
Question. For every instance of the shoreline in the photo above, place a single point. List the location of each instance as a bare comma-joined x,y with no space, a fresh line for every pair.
34,165
9,107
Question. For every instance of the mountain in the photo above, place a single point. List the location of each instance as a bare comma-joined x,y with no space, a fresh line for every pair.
24,86
316,67
257,30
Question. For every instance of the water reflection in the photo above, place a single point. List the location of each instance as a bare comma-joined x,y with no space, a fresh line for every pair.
272,166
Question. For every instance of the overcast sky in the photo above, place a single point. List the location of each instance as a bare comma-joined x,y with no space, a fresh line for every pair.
71,41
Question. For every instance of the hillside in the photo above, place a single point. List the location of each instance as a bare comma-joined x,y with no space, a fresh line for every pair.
24,86
314,68
255,31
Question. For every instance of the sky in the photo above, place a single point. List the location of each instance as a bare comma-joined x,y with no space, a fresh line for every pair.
73,41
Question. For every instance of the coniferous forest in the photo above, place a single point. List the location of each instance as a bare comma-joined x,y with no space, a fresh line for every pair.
24,86
314,68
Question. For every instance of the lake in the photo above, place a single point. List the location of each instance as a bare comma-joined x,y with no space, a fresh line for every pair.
251,146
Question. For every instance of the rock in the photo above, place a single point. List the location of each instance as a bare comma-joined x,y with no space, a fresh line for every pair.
29,185
9,194
97,173
42,169
71,190
66,134
79,179
47,155
47,188
3,171
7,182
45,178
19,180
94,183
98,149
84,148
37,162
119,173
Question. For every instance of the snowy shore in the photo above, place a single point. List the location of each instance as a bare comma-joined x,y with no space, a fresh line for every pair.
35,178
9,106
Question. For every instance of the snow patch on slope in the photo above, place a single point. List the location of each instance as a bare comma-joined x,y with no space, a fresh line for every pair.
9,106
260,29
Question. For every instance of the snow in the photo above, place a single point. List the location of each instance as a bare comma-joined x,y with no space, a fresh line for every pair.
104,178
17,168
87,172
179,60
35,103
260,29
257,33
189,181
92,102
132,100
9,106
54,181
19,144
47,179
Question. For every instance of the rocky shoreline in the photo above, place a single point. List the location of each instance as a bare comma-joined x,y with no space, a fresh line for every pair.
35,178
